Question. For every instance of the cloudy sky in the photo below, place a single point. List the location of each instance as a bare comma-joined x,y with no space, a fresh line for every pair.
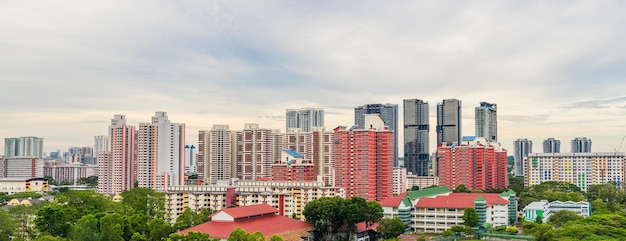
554,68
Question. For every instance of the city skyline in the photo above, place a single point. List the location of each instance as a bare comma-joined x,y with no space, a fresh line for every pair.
554,70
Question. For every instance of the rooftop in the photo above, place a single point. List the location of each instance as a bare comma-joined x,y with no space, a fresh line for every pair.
428,192
460,200
292,153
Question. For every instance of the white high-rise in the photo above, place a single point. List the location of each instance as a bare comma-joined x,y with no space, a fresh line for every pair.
26,146
100,144
486,116
161,153
305,119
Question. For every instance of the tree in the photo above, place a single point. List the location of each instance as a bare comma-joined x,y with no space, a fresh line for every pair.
462,188
159,229
48,238
415,188
470,217
543,232
512,230
538,220
563,216
140,237
112,227
146,201
238,235
185,220
256,236
191,236
7,225
373,213
91,181
609,194
86,229
391,228
55,220
323,214
276,238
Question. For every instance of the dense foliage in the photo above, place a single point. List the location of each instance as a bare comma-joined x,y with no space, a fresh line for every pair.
390,228
329,214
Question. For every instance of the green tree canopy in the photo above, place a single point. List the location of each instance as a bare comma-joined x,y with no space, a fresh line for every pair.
462,189
55,220
391,228
86,229
146,201
470,217
7,225
238,235
563,216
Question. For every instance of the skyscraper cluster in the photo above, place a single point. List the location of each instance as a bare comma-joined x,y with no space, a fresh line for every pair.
523,147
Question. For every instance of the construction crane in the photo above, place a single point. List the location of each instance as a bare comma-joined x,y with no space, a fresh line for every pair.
620,145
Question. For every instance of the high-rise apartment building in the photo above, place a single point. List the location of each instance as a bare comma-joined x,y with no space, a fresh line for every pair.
521,148
161,153
416,137
474,162
581,144
100,144
449,121
255,152
362,158
203,155
581,169
486,120
315,146
116,168
304,119
26,146
389,114
221,154
551,145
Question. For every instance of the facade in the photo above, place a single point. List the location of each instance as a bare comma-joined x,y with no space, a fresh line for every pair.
435,209
389,114
449,121
399,180
100,144
475,163
521,148
362,158
293,167
289,197
544,209
255,152
12,185
203,155
21,167
305,119
161,153
416,137
581,144
316,146
444,211
116,169
486,120
581,169
551,145
26,146
421,182
221,154
69,172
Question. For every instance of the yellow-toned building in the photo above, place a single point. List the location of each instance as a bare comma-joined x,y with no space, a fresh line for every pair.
12,185
288,197
581,169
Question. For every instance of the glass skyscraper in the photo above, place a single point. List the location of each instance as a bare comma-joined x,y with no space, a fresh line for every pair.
449,121
305,119
486,116
416,139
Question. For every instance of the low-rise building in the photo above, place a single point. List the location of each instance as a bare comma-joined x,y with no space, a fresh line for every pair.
69,173
12,185
288,197
436,209
544,209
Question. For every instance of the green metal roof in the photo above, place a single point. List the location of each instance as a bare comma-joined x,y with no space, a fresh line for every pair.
480,198
407,202
432,191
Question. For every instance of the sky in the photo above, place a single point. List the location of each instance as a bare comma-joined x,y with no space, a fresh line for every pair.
554,68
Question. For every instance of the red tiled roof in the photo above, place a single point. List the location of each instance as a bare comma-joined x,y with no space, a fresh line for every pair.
249,211
267,225
459,200
392,201
360,227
